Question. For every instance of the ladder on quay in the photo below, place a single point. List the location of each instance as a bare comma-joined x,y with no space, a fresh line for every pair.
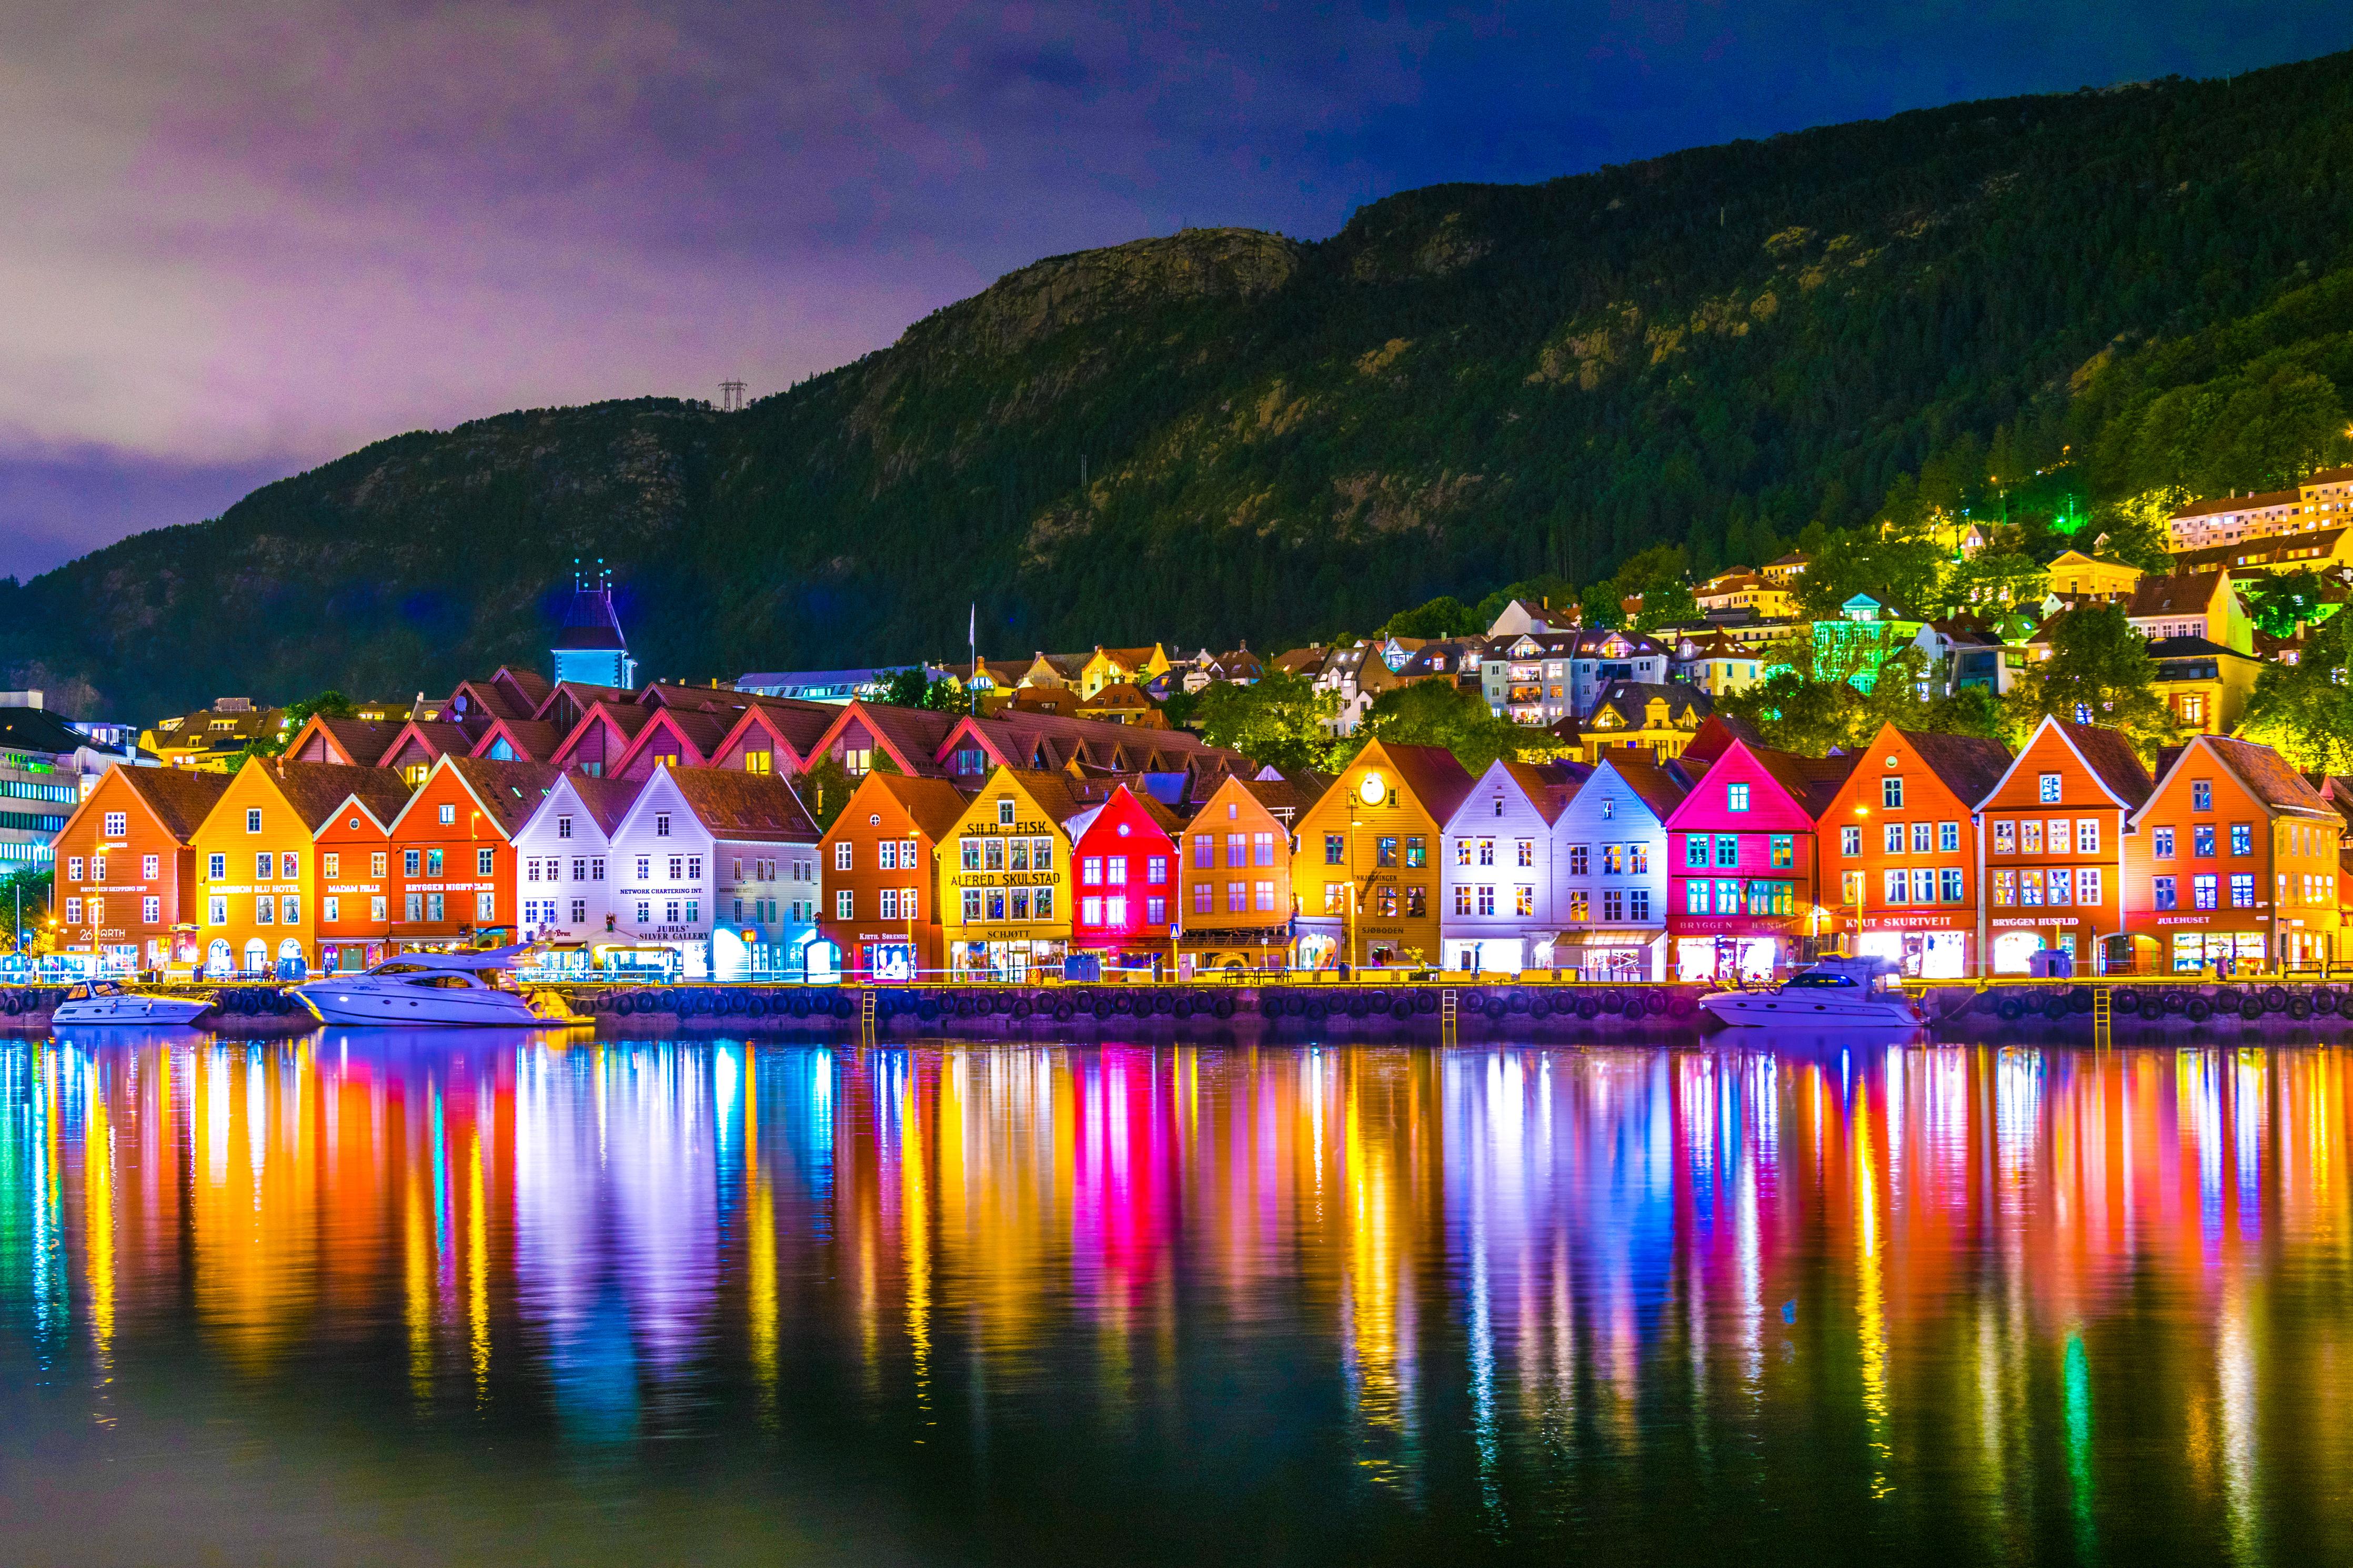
2104,1017
866,1029
1450,1018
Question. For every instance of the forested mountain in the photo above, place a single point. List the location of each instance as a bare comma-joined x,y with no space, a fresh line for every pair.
1226,434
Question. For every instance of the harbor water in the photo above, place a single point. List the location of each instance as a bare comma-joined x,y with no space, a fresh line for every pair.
369,1296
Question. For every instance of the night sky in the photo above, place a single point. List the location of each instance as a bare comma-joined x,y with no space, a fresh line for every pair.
246,237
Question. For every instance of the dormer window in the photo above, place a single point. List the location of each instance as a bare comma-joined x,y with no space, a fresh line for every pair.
662,825
1005,813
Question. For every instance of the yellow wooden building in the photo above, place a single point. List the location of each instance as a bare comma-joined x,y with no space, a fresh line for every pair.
1366,876
1004,877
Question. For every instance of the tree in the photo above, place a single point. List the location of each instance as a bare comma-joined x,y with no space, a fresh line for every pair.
2133,530
2305,709
1900,564
2099,672
1437,712
1993,580
1667,605
1282,721
2278,604
1444,616
1599,607
824,788
1811,703
914,687
32,884
331,703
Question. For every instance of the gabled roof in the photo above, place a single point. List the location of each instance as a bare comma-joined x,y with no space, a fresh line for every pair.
1300,660
1717,733
2250,501
1660,787
1434,774
533,739
589,622
1968,765
2107,755
437,737
751,807
2162,648
605,800
934,804
317,790
2191,593
1054,794
2266,775
1811,782
361,742
624,719
179,799
507,793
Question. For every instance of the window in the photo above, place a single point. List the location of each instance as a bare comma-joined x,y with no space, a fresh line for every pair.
1262,897
1849,840
2201,890
265,911
1890,793
1580,861
992,853
2161,893
1156,869
563,827
1898,884
2201,795
1735,797
1200,898
1727,849
333,910
2005,887
290,866
1041,854
1920,835
845,904
1417,901
886,856
1613,860
1785,851
1527,852
1234,849
1385,851
2242,838
1116,870
1891,837
1613,905
2243,891
1115,909
2030,836
253,819
579,911
1695,896
1523,900
1486,899
2049,790
334,865
1461,897
150,867
1949,885
218,913
1091,911
117,824
2005,838
73,869
1237,898
408,859
1204,850
73,911
1694,850
2160,843
1727,898
596,870
1336,898
2030,888
1333,851
1261,849
1005,813
448,816
1580,906
1090,870
1416,854
2202,840
2087,884
971,904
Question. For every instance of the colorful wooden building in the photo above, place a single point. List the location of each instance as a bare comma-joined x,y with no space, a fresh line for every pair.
696,846
879,867
1126,896
1610,867
2234,856
1497,910
258,864
2054,827
353,848
453,860
1004,877
1744,868
126,869
1901,835
564,862
1368,885
1234,901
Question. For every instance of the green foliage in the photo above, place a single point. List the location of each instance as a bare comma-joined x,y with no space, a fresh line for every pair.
1904,565
33,884
1440,714
1280,721
2305,709
2278,602
1602,606
1444,616
2027,306
2132,528
824,788
2099,672
914,687
331,703
1812,714
1990,582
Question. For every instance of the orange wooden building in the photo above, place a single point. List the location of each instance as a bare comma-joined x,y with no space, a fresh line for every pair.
126,869
879,865
353,845
2234,856
2054,833
452,853
1233,900
1901,835
257,869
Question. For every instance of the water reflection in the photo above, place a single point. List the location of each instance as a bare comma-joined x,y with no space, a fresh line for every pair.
1927,1303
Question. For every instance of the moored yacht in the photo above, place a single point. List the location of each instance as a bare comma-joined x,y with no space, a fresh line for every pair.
109,1002
428,989
1836,993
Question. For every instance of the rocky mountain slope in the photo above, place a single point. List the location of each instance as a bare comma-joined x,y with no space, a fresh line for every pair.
1223,434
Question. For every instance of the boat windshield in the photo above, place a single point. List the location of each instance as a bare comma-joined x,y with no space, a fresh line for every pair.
1825,982
496,979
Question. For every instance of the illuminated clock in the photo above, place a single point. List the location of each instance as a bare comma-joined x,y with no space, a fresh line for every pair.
1373,789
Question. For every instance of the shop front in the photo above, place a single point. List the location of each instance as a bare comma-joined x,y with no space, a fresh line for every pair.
1320,941
1928,946
2014,940
1210,948
1601,952
1008,955
350,957
2189,943
1750,948
1485,954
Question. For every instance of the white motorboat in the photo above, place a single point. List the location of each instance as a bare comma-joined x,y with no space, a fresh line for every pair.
109,1002
1836,993
437,989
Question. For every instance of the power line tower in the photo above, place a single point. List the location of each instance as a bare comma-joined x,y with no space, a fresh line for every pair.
731,396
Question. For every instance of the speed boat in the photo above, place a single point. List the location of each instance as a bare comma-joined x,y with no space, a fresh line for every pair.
109,1002
1836,993
430,989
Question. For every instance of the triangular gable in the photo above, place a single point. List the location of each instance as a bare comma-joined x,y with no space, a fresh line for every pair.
663,725
756,725
521,746
659,793
856,710
422,741
617,731
2051,721
1737,752
491,813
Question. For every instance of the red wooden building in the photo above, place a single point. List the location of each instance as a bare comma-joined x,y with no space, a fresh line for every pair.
1124,900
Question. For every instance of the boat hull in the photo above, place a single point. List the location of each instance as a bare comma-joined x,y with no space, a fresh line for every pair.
1780,1010
359,1007
129,1010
